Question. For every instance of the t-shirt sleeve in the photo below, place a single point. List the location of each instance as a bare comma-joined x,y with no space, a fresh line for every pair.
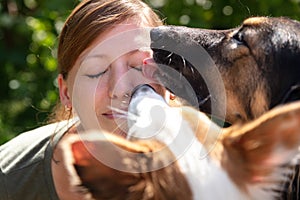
25,168
3,192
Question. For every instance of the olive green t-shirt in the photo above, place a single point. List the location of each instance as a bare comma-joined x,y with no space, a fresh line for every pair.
25,163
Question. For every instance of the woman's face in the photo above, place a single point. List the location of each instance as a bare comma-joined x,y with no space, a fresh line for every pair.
104,75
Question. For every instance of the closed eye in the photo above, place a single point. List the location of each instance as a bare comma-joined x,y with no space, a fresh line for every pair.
137,68
94,76
238,37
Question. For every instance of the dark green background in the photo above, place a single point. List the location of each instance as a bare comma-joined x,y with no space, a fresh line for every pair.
28,38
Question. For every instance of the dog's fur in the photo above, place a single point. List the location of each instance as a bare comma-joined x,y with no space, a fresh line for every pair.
245,163
259,63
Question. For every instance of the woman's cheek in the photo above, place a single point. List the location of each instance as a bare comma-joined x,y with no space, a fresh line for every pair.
84,92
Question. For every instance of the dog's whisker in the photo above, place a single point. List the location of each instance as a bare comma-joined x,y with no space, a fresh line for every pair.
184,66
184,62
192,69
170,58
124,114
117,110
123,124
132,116
203,101
288,95
120,124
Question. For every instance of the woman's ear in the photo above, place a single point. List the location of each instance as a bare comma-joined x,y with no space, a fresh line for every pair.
64,91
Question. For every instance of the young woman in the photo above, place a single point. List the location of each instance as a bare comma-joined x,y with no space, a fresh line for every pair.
100,55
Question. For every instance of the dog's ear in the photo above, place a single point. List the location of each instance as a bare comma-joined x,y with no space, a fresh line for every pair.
115,168
104,171
256,153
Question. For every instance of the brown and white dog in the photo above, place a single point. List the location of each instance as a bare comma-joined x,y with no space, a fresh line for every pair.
162,158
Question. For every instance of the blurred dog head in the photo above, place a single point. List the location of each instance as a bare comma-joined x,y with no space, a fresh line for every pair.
163,162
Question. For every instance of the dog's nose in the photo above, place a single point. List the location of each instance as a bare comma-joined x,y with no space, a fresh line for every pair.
142,90
165,37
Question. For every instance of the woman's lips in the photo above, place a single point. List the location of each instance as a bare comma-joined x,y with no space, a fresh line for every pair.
121,131
115,115
108,115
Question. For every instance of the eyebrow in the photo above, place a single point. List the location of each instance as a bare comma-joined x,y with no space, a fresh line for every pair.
105,56
92,56
96,56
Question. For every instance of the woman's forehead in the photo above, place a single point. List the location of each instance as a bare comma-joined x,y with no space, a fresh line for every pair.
120,40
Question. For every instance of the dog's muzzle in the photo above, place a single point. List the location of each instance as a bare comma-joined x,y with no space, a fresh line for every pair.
145,111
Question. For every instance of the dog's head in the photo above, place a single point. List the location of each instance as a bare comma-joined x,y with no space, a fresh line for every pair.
259,62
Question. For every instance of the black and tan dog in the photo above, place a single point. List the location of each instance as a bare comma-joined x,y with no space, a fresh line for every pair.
259,63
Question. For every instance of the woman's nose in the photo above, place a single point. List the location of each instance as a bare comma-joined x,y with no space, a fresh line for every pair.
121,81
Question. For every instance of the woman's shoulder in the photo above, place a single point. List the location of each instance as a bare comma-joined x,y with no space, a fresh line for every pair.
39,133
26,161
30,146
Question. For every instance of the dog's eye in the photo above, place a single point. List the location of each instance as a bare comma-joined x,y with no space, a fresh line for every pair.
239,38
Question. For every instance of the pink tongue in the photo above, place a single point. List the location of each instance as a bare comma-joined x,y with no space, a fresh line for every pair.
149,68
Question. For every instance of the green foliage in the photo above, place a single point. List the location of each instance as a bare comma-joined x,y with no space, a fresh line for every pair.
28,38
221,14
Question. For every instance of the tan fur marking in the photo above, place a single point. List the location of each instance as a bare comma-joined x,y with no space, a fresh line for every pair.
255,20
235,112
259,104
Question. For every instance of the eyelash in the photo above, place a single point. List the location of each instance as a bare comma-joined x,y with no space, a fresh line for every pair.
93,76
137,68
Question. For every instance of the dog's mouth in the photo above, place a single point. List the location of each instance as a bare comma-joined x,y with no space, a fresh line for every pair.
179,49
176,72
187,69
179,76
